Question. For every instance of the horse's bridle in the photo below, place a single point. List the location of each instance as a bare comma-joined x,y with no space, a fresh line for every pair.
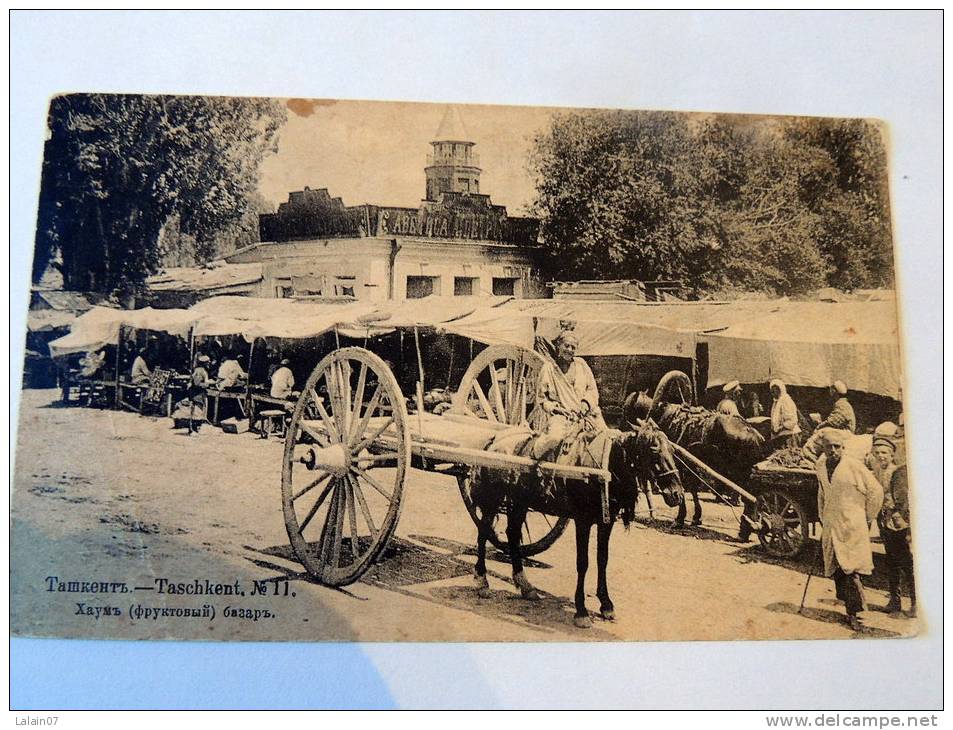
667,472
649,424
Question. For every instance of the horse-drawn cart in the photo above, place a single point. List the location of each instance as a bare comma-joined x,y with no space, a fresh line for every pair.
786,508
351,443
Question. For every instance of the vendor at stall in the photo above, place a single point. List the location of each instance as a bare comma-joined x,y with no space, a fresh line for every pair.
842,414
197,392
282,380
91,363
141,373
728,405
230,373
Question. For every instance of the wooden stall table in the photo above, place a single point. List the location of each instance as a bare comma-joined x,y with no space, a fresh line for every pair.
158,395
87,390
176,389
217,394
138,392
93,390
261,402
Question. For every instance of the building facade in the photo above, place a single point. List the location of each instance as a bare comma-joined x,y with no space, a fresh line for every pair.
456,242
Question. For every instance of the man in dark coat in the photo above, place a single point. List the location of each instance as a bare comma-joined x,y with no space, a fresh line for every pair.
894,523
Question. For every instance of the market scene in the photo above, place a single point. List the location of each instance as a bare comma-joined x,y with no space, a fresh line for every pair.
408,416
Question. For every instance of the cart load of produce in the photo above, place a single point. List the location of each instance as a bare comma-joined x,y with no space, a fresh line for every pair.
787,458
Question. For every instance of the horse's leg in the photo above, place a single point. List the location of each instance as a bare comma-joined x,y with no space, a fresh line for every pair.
697,519
488,510
583,527
645,486
514,532
603,532
682,511
480,581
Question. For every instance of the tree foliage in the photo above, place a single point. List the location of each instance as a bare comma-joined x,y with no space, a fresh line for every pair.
721,202
177,248
117,169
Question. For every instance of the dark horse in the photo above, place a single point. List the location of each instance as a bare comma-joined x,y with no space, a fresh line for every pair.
642,454
728,444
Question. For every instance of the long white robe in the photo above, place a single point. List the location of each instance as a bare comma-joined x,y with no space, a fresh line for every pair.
847,503
567,391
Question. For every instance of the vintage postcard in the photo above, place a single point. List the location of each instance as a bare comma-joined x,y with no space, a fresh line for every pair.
316,370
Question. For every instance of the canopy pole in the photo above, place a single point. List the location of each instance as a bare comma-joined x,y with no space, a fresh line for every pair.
695,378
420,359
420,382
251,355
453,342
119,366
625,381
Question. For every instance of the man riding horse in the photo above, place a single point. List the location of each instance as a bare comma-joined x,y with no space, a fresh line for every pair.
567,427
568,398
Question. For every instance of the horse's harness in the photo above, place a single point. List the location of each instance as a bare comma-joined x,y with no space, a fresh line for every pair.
583,434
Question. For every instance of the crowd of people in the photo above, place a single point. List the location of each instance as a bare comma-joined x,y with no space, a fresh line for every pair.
214,367
861,480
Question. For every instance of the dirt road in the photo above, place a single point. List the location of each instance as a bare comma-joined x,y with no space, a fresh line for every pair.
104,496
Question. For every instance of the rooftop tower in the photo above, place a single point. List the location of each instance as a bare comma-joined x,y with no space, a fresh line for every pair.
452,166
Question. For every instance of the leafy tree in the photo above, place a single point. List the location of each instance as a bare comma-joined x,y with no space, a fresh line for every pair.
117,169
721,202
856,238
181,249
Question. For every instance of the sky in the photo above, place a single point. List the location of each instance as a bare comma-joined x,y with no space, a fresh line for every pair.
375,152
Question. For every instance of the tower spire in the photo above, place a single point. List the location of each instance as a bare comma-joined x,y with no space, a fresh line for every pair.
452,166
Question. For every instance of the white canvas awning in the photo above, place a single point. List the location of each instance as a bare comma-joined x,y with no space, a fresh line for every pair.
813,344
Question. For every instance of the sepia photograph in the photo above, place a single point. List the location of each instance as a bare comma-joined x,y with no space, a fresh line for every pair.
316,370
368,360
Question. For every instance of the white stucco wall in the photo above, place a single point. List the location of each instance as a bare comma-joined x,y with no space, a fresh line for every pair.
368,261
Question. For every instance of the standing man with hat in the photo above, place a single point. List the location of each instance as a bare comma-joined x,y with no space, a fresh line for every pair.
198,385
842,414
728,405
894,524
848,499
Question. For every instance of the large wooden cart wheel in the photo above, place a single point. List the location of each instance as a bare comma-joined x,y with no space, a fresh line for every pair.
678,384
500,387
540,530
346,456
786,524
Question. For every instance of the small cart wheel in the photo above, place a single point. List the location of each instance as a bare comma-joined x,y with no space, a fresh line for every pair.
346,456
680,386
786,525
540,530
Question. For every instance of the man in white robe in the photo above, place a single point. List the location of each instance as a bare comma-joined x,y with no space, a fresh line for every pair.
566,391
849,498
728,406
